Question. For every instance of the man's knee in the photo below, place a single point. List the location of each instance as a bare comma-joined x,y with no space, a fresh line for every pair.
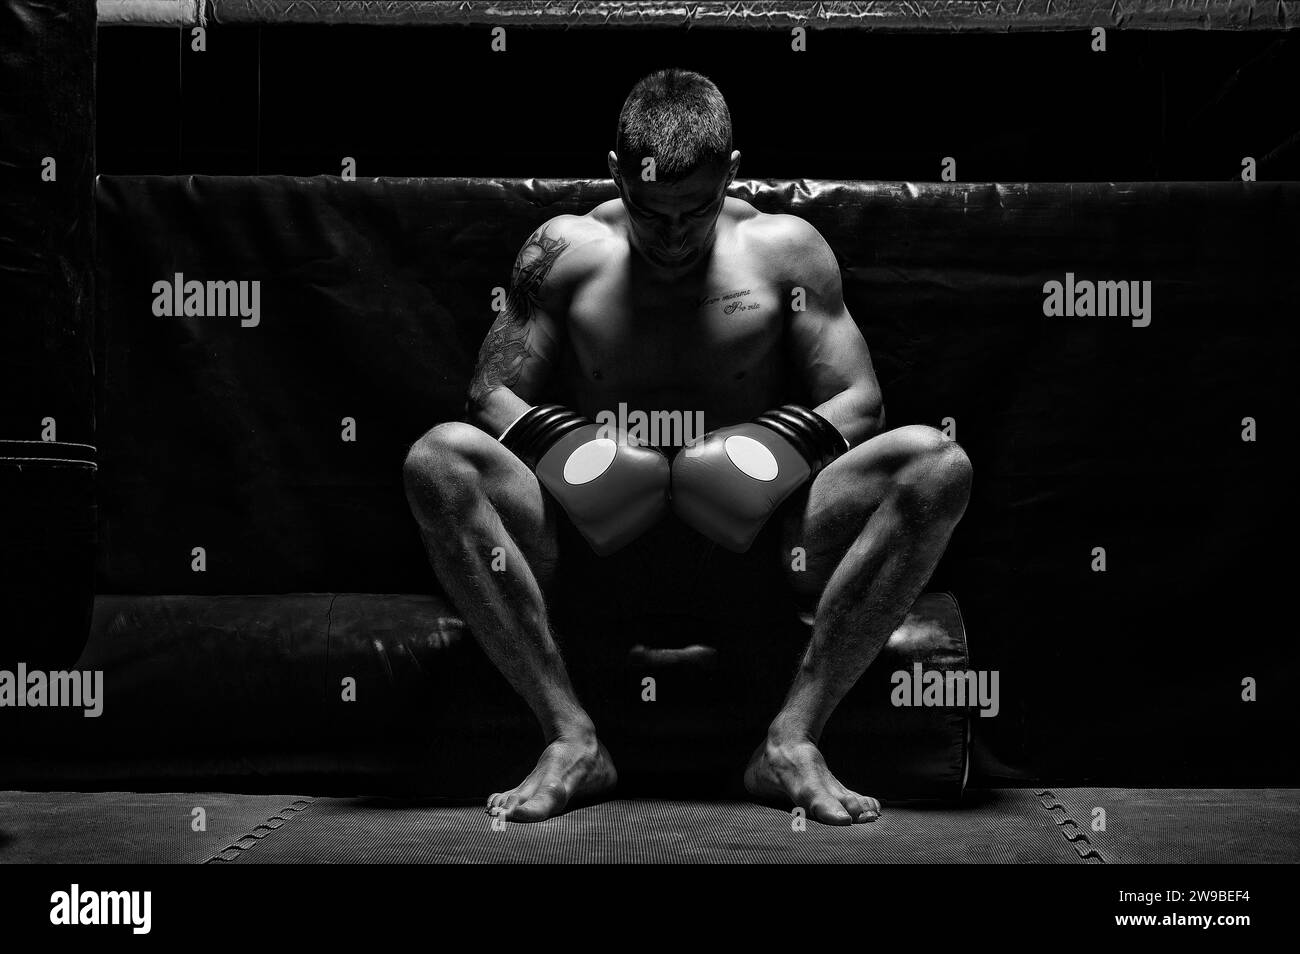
936,474
445,465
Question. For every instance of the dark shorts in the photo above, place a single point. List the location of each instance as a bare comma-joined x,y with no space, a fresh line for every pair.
672,571
673,588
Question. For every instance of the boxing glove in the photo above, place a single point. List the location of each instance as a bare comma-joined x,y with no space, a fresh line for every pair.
612,491
728,484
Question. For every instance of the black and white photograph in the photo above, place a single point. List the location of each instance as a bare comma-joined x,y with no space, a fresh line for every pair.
649,433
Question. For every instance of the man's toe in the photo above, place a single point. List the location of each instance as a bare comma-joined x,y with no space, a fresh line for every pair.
853,805
829,811
863,808
547,801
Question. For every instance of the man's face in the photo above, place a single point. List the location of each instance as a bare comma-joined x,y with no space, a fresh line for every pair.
673,224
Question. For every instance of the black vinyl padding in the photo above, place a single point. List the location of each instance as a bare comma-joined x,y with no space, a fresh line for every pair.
1084,433
247,693
893,15
47,306
47,220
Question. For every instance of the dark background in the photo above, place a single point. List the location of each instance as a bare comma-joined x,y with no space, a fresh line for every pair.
436,101
1124,439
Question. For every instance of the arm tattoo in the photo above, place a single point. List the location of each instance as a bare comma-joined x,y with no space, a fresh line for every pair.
504,351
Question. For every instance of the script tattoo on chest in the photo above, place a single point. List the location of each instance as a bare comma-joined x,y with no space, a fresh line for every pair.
732,301
505,349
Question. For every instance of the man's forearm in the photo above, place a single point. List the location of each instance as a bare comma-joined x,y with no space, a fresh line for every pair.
857,415
495,410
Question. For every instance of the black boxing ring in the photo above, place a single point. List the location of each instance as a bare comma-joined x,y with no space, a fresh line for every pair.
276,650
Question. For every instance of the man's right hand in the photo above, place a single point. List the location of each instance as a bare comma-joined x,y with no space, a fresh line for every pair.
612,491
732,480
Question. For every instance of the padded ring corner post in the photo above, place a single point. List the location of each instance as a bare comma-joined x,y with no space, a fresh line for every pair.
47,421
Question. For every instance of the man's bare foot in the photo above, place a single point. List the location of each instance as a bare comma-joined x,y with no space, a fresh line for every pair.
569,771
794,772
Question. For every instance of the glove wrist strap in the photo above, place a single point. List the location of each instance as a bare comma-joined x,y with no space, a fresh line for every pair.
529,437
811,434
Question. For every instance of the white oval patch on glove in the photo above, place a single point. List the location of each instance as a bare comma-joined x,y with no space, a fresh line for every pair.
589,461
751,457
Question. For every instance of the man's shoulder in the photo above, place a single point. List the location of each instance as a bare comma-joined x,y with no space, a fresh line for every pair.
576,229
569,232
790,248
780,234
577,234
566,248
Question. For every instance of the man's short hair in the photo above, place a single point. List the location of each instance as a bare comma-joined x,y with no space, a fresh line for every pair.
678,118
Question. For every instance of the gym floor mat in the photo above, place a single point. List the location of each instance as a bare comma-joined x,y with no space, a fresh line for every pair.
130,828
1009,826
1186,825
1000,826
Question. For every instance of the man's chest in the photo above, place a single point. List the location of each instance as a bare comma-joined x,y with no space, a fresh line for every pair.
676,336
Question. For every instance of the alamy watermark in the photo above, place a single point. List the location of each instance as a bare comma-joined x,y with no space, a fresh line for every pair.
74,907
179,298
38,689
654,428
1084,298
954,688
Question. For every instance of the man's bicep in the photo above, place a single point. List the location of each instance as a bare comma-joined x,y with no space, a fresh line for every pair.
518,355
827,342
832,352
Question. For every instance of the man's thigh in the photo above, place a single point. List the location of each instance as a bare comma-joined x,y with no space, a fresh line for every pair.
822,520
456,463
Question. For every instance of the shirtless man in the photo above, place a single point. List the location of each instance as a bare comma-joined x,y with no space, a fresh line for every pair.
631,303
